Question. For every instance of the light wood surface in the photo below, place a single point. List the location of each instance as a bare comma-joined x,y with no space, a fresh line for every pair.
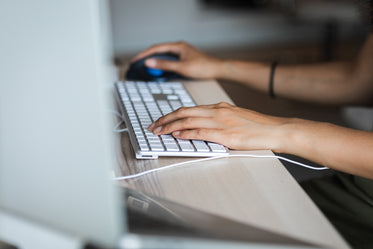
255,191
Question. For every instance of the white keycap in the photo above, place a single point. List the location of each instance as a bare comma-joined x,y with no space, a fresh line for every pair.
172,97
200,145
154,140
155,90
148,98
168,139
141,140
156,147
186,147
175,104
144,147
183,141
216,147
171,147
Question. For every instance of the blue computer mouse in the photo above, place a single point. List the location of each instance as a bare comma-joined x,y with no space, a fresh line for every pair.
138,71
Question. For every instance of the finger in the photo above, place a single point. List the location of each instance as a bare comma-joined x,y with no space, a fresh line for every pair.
163,64
183,112
160,48
212,135
186,124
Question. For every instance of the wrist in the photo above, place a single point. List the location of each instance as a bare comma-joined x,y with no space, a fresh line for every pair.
218,68
252,74
301,137
289,136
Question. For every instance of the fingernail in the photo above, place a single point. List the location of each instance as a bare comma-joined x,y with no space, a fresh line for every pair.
151,62
151,127
158,130
176,133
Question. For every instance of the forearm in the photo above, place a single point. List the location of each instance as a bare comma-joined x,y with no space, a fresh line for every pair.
327,83
323,83
333,146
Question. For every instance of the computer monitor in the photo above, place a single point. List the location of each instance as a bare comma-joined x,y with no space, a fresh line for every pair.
54,125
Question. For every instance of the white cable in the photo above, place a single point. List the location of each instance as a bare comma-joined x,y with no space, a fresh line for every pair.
115,129
121,130
212,158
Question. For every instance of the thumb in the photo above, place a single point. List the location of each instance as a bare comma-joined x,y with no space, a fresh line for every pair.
163,64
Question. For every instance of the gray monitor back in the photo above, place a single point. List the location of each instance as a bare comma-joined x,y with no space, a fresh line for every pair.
55,140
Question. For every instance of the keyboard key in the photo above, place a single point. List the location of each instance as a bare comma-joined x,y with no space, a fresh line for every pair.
168,139
182,141
216,147
186,147
172,97
175,105
189,104
201,146
144,147
142,141
172,147
155,90
147,98
156,147
154,140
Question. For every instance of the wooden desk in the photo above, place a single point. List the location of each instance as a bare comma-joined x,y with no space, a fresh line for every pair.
255,191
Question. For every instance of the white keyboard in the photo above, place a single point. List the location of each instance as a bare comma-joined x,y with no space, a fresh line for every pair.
142,103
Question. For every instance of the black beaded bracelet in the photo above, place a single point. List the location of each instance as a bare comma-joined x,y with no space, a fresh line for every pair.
271,76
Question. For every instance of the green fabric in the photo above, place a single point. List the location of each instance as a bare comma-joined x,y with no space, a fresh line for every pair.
347,201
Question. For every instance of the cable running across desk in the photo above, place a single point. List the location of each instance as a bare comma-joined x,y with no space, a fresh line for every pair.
213,158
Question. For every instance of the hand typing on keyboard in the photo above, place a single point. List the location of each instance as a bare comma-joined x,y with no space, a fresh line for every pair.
142,103
232,126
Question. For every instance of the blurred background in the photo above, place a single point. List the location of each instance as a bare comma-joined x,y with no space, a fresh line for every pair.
218,24
288,31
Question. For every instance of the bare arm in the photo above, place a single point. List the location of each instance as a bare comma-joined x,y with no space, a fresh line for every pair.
318,83
338,83
336,147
